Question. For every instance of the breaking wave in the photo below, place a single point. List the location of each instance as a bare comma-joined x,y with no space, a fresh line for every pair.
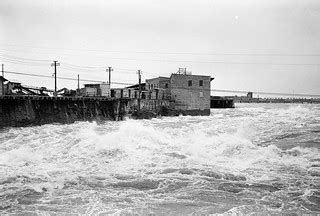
252,159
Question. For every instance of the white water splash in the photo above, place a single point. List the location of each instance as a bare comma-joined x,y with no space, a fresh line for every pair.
229,162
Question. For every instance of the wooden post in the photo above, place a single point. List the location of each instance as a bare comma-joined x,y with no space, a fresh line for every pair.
139,96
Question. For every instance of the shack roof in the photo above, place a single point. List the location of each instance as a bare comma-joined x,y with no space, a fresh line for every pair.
93,85
160,78
137,85
14,83
3,79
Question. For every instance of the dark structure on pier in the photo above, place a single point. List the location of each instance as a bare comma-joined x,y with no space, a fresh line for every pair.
221,102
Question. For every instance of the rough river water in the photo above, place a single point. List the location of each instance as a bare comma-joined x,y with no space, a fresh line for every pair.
260,159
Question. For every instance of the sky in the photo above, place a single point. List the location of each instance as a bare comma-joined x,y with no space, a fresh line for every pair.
247,45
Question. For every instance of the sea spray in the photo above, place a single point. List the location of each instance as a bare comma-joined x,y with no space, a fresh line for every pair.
261,159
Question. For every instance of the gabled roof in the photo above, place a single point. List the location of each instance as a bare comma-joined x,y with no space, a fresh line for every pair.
3,79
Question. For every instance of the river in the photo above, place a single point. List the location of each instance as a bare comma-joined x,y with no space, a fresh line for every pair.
260,159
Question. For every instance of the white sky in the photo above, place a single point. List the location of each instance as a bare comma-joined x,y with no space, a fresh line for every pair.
148,34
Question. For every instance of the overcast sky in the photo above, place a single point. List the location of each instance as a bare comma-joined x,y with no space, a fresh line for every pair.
275,42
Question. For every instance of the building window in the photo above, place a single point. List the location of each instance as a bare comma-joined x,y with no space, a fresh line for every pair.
200,82
151,86
189,82
201,94
167,85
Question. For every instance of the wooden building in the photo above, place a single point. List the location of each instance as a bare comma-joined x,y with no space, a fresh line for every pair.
158,88
2,89
101,89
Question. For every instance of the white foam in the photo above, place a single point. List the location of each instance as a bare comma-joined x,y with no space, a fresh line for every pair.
225,142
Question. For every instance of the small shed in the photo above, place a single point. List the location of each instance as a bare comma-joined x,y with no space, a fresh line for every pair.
11,86
2,90
91,89
102,89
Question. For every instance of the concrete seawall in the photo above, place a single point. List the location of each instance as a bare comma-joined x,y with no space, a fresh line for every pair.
152,108
18,111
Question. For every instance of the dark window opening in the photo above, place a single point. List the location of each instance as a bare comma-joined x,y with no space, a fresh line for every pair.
189,82
167,85
200,82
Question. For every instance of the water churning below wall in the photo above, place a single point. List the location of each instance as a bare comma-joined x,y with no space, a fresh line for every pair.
261,159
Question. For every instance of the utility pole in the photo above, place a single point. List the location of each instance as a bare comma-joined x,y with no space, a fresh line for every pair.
78,84
55,64
139,74
109,71
3,78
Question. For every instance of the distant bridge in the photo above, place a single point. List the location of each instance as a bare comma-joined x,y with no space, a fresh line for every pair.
267,93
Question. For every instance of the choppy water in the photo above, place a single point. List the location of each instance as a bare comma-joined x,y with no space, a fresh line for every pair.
260,159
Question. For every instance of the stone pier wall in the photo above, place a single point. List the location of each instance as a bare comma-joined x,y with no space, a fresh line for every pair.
149,104
18,111
149,108
36,110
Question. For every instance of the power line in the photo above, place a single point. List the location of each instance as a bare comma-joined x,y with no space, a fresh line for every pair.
171,53
63,78
188,61
34,62
69,68
91,70
22,63
125,69
128,84
87,67
25,59
16,61
65,65
221,62
94,68
214,62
